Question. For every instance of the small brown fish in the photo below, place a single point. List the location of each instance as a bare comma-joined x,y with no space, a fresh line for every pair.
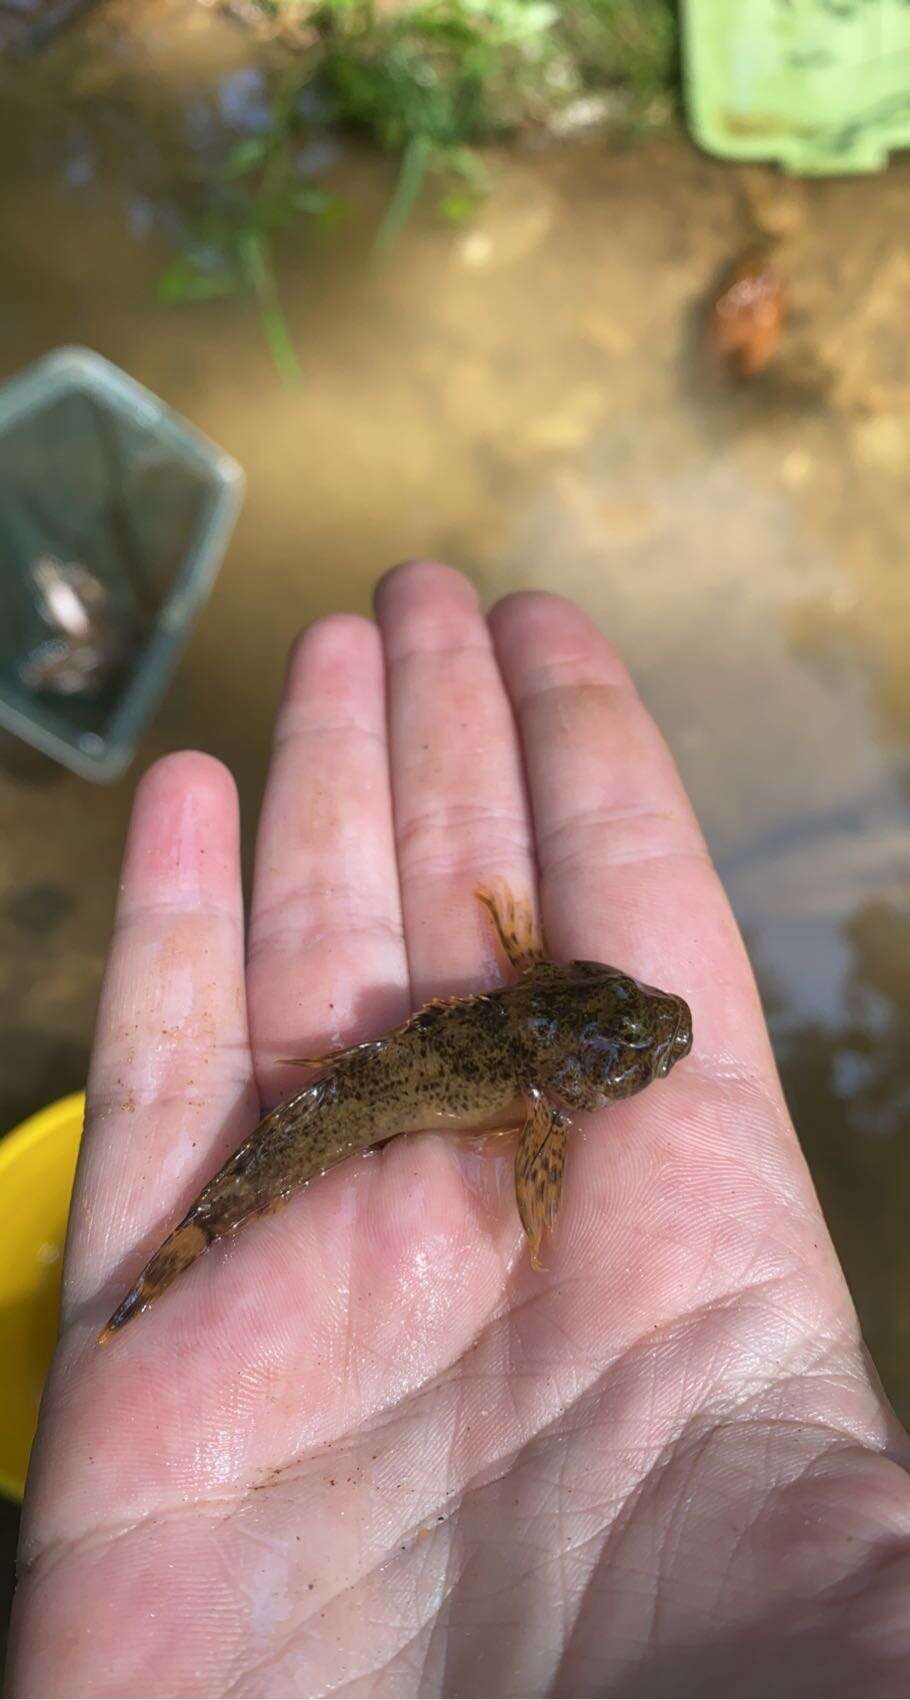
89,645
564,1036
748,315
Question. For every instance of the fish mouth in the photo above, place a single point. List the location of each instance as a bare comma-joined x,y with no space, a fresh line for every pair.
679,1044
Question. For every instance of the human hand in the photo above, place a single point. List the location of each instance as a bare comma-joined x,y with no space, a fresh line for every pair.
363,1448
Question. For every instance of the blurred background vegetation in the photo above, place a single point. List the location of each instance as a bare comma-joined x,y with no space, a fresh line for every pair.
429,83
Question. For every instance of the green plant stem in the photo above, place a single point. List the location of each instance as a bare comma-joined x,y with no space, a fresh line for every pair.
411,177
259,275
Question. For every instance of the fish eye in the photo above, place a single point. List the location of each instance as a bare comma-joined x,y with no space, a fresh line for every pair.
627,1030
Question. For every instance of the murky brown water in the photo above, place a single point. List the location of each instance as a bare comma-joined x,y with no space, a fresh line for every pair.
528,398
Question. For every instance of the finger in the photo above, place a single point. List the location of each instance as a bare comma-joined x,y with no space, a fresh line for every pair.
327,963
461,816
169,1088
696,1189
625,876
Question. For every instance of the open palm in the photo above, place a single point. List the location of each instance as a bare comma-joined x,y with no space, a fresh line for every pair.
363,1448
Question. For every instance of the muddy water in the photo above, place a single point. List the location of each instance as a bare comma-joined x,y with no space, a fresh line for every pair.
530,399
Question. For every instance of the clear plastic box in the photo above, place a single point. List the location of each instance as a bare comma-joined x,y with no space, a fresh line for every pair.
98,473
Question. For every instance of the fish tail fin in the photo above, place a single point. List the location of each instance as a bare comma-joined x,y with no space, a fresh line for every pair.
180,1249
261,1174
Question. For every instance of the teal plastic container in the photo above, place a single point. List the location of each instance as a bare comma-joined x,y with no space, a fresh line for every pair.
820,86
99,474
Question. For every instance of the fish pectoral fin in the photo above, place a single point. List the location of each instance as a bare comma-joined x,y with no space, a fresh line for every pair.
485,1142
539,1168
516,927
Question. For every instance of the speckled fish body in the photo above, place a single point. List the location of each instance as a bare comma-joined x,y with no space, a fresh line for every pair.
572,1036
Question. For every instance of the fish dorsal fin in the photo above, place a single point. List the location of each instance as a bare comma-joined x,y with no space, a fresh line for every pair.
332,1058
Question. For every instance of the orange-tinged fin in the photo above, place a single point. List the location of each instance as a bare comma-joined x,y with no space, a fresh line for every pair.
180,1249
515,926
308,1062
540,1162
486,1142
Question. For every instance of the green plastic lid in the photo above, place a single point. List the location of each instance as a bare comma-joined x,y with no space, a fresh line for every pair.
820,86
111,503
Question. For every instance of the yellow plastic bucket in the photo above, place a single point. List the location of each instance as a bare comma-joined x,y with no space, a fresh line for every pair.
37,1165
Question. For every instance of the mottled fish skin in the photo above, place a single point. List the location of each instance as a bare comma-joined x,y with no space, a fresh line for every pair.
570,1036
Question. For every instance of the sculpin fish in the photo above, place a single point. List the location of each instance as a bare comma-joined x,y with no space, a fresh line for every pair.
562,1037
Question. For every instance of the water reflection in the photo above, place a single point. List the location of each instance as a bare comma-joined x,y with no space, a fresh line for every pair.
848,1085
